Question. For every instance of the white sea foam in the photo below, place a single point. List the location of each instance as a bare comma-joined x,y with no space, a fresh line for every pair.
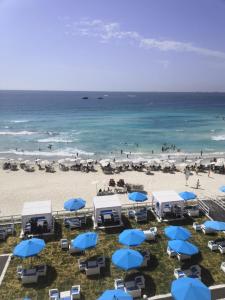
14,133
67,152
179,130
55,140
218,137
19,121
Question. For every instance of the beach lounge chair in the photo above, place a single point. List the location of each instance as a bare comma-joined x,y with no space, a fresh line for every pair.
193,272
197,226
119,284
29,276
213,246
151,234
75,292
170,252
73,250
222,266
101,261
182,257
64,244
132,289
92,268
53,294
146,255
140,281
221,247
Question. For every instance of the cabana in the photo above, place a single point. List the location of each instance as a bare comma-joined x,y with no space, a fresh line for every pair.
107,211
168,205
37,218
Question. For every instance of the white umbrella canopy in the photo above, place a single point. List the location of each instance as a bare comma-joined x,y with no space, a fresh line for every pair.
90,161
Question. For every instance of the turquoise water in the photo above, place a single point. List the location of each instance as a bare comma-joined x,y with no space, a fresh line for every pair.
134,122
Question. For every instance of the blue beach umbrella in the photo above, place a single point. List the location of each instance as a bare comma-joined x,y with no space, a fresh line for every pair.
189,289
177,233
115,295
74,204
85,240
222,188
138,197
187,196
215,225
127,259
183,247
132,237
29,248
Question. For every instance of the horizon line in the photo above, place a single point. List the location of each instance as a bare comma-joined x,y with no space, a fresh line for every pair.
105,91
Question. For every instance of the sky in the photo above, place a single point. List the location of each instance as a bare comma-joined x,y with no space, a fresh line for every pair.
112,45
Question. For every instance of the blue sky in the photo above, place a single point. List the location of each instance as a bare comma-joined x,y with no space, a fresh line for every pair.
114,45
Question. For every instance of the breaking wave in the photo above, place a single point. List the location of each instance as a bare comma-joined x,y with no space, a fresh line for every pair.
14,133
55,140
218,137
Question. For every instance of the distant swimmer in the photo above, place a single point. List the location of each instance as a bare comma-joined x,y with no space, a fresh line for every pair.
121,151
50,146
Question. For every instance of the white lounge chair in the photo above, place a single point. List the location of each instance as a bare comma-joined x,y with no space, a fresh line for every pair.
53,294
197,226
151,234
64,244
221,248
170,252
182,257
140,281
212,245
222,266
29,276
132,289
119,284
75,292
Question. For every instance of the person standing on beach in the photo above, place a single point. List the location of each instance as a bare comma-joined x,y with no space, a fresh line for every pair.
201,152
197,184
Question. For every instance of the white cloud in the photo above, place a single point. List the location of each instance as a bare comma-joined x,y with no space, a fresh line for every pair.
112,31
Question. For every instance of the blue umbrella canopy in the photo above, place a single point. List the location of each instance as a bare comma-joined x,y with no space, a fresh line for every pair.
177,233
183,247
187,195
132,237
115,295
29,248
215,225
127,259
189,289
74,204
85,240
222,188
138,197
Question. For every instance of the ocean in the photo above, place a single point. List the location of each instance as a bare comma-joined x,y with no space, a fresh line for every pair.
62,124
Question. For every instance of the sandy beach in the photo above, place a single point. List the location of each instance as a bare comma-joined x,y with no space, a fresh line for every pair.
20,186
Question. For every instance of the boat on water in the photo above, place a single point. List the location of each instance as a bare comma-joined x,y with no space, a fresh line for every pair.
85,97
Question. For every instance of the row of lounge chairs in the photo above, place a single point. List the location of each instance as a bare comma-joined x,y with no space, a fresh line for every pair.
133,287
75,222
92,266
193,271
31,275
72,294
218,244
6,230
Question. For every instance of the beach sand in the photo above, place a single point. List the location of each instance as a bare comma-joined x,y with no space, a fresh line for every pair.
20,186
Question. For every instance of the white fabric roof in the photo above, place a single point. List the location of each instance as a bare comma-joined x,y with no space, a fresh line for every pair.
166,196
37,208
106,201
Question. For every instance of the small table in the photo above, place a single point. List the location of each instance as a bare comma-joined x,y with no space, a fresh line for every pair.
65,295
